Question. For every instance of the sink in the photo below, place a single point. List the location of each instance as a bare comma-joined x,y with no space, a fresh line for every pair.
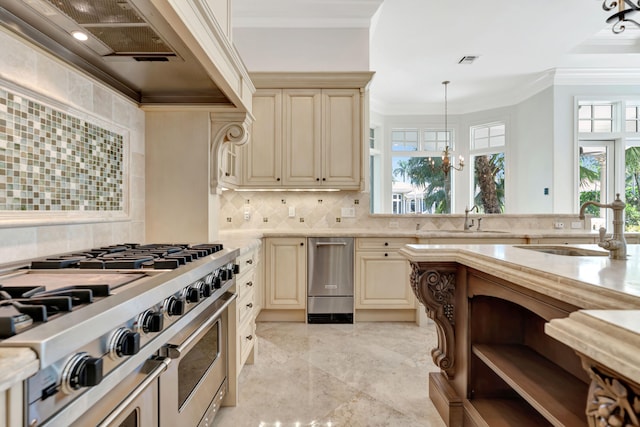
563,250
464,231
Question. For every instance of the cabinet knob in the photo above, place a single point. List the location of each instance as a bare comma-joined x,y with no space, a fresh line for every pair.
386,243
249,261
317,179
324,179
277,179
250,305
386,254
301,244
226,174
249,337
249,283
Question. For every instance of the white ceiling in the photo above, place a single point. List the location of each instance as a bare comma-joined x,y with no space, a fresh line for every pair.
416,44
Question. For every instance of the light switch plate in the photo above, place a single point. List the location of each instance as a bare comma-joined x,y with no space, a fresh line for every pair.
292,212
348,212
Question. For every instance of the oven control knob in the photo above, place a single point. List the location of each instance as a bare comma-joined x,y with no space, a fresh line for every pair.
173,306
81,370
204,289
123,342
150,321
217,282
226,274
192,294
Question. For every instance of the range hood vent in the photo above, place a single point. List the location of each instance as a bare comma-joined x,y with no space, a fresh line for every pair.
116,25
131,47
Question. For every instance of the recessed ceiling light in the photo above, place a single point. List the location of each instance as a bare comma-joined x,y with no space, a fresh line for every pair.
79,35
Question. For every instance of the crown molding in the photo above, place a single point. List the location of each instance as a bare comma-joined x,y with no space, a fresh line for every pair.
536,84
311,80
597,76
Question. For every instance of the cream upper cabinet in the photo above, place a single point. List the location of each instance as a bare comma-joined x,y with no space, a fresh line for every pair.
308,131
302,137
229,165
341,127
285,273
322,142
262,156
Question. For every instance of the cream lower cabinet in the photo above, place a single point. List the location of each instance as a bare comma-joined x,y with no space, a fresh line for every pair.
382,275
285,273
248,304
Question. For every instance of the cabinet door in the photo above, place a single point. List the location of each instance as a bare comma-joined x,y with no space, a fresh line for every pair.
341,138
263,154
302,137
286,273
382,281
229,165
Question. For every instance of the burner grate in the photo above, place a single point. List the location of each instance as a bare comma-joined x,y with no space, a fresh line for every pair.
130,256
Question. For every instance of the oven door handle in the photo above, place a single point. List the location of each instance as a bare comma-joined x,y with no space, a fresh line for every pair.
175,351
163,364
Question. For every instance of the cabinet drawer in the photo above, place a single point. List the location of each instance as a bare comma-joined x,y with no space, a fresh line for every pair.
246,306
247,261
247,337
383,243
246,282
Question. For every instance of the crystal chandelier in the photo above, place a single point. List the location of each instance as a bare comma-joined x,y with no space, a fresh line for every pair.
625,9
447,164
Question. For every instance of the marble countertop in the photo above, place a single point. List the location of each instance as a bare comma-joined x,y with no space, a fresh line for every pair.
607,330
16,364
395,232
610,337
593,282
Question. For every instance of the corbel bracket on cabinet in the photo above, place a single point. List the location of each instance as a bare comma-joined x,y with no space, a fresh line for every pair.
612,399
434,285
226,128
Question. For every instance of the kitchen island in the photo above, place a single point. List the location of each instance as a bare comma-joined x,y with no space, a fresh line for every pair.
531,338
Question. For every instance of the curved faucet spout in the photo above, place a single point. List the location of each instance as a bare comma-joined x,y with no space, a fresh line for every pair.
617,244
584,206
467,224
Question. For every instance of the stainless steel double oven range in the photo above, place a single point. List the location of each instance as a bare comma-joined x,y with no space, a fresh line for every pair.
126,335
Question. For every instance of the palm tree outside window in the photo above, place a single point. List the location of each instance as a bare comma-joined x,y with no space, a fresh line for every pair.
423,189
487,150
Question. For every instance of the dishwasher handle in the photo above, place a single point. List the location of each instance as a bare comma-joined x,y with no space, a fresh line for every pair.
318,244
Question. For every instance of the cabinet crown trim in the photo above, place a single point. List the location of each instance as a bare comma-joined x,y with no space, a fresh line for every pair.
311,80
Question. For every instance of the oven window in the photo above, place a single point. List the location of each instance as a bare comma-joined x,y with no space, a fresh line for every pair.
197,362
131,420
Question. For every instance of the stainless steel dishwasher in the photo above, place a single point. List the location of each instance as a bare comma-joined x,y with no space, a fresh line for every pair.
330,280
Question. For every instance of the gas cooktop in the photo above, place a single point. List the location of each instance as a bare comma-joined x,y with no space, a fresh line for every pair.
129,256
52,286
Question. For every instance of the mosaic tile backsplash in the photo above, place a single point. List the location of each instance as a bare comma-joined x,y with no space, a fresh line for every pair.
53,161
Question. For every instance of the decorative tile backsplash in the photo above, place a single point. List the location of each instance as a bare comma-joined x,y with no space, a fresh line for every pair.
249,210
51,160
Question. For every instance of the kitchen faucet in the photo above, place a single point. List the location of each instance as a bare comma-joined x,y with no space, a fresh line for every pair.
467,224
616,245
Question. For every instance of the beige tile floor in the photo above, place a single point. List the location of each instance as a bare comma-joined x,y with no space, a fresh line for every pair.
365,374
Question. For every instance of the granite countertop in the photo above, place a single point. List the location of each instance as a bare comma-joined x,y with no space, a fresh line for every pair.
607,331
16,364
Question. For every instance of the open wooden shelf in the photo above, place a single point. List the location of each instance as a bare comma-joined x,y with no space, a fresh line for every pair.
503,413
557,395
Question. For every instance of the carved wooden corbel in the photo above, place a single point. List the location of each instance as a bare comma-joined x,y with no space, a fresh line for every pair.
611,402
226,128
434,286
